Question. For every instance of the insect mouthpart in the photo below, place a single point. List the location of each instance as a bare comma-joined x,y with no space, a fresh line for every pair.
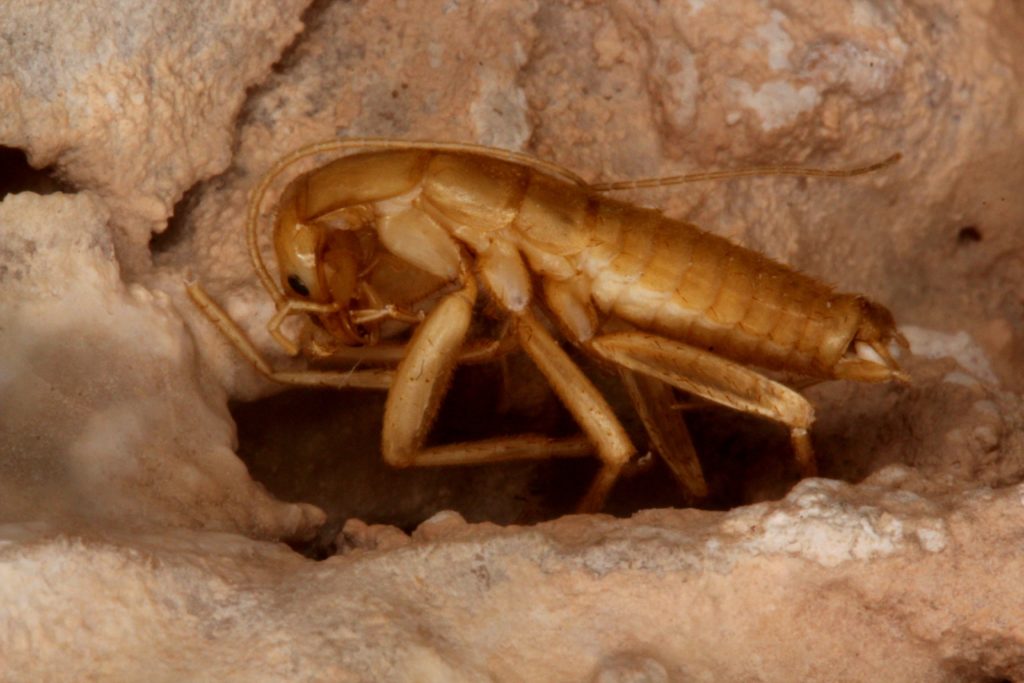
867,352
345,330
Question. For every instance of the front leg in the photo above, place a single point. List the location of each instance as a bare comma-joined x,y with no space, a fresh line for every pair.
374,378
423,375
421,381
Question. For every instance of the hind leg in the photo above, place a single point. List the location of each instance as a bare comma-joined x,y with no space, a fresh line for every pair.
586,404
716,379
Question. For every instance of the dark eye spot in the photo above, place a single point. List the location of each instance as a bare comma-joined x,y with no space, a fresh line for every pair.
297,285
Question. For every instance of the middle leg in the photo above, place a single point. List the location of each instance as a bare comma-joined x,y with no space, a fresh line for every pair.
586,404
420,383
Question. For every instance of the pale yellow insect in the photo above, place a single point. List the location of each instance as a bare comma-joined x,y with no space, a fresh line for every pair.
385,250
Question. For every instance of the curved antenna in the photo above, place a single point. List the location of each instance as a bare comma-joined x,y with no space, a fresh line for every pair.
743,173
370,144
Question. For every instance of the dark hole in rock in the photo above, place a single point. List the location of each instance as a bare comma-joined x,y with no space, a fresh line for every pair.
17,175
969,234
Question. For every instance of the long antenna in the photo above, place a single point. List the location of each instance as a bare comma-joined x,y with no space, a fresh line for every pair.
367,144
744,173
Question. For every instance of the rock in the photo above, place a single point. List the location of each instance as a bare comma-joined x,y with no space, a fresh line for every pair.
834,582
135,102
105,420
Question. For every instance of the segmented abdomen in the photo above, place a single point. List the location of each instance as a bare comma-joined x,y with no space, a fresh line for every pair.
662,275
672,278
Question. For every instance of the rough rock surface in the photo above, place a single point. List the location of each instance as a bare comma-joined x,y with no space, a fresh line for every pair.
103,414
124,500
833,583
134,101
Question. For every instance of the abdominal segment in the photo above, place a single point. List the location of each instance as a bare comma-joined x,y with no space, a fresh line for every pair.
673,279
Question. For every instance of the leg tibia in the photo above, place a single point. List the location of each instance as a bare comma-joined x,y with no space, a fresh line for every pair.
586,404
654,403
504,449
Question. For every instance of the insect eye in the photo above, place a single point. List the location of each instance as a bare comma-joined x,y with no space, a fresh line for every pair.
297,285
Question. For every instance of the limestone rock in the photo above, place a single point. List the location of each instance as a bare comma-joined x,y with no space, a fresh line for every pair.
105,420
134,100
834,582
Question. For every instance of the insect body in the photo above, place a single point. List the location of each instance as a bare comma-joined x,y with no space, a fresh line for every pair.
400,239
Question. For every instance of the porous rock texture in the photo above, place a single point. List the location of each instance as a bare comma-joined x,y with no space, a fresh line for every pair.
833,583
135,101
136,546
104,415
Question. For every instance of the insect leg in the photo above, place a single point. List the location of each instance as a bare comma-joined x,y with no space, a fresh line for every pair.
289,308
651,397
586,404
476,352
420,383
653,400
356,379
504,449
716,379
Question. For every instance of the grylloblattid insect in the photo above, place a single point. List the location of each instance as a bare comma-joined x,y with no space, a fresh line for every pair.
386,251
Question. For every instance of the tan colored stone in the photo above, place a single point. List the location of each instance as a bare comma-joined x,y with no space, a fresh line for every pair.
135,100
104,419
834,583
